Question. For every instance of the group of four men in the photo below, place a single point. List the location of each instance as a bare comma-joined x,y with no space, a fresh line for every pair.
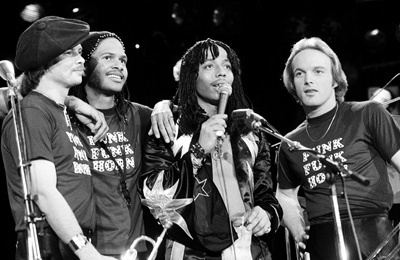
208,179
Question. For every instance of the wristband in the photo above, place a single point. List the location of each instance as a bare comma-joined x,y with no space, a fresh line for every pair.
198,151
77,242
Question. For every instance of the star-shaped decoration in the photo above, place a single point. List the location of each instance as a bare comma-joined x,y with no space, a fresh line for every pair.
159,200
200,185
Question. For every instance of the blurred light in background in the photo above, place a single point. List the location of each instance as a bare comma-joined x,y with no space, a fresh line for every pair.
178,13
32,12
375,41
218,16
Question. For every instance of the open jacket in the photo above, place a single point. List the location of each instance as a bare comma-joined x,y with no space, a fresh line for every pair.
196,208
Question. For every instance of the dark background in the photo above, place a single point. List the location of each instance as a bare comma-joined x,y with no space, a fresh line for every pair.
260,31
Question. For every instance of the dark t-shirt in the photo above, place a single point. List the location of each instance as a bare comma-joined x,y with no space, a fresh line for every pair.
49,137
116,225
363,137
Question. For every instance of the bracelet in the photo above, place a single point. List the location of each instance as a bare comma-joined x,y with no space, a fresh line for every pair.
77,242
198,151
196,162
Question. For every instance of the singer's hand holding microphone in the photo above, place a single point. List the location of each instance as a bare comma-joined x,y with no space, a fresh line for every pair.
214,127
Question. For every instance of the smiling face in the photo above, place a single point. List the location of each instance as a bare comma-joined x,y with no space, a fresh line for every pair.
213,74
108,63
314,82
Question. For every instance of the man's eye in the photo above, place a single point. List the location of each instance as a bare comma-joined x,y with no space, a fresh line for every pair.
298,74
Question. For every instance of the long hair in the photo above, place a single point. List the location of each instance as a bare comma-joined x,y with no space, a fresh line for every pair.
192,115
337,72
31,78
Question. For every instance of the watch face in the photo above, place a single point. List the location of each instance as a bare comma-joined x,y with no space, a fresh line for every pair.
77,242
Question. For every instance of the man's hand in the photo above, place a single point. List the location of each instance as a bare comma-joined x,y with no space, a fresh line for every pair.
89,116
162,121
258,221
211,130
162,216
302,239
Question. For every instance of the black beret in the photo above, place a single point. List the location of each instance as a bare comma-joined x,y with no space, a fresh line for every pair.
46,39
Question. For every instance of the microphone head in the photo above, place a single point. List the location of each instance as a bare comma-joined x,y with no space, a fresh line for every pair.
225,89
242,113
6,68
224,92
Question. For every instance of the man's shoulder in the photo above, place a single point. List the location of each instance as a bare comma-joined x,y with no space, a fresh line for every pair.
138,106
360,105
143,111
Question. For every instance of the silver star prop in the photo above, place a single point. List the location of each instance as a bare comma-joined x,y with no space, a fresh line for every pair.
160,201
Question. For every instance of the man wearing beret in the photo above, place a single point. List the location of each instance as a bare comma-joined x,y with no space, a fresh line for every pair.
49,53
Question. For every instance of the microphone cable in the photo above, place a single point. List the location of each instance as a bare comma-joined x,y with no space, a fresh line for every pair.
387,84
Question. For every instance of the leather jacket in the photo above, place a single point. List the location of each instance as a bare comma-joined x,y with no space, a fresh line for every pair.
200,218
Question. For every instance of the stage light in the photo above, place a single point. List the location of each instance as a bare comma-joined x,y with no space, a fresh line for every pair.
32,12
75,10
375,40
218,16
178,13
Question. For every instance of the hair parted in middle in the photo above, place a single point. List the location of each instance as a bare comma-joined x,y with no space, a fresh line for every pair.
192,115
315,43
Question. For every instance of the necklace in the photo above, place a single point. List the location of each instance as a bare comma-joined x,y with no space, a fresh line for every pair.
327,130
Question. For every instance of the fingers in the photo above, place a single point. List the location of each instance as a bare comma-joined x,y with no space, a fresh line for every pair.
258,222
154,126
99,127
302,239
165,221
168,131
162,217
162,124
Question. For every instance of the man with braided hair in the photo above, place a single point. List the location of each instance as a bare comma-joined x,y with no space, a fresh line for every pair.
213,191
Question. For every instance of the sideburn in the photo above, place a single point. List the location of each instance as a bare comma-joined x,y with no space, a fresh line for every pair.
92,79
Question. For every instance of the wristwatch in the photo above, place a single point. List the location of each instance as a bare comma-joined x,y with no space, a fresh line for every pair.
77,242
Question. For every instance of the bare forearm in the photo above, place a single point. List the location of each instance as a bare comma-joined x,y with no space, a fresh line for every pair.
59,215
293,217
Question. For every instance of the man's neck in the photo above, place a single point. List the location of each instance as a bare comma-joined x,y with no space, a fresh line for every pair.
315,111
56,93
98,100
209,108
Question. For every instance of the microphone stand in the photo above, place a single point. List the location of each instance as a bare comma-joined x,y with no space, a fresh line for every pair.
336,168
32,244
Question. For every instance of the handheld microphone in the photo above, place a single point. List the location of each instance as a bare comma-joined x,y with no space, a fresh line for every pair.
224,92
